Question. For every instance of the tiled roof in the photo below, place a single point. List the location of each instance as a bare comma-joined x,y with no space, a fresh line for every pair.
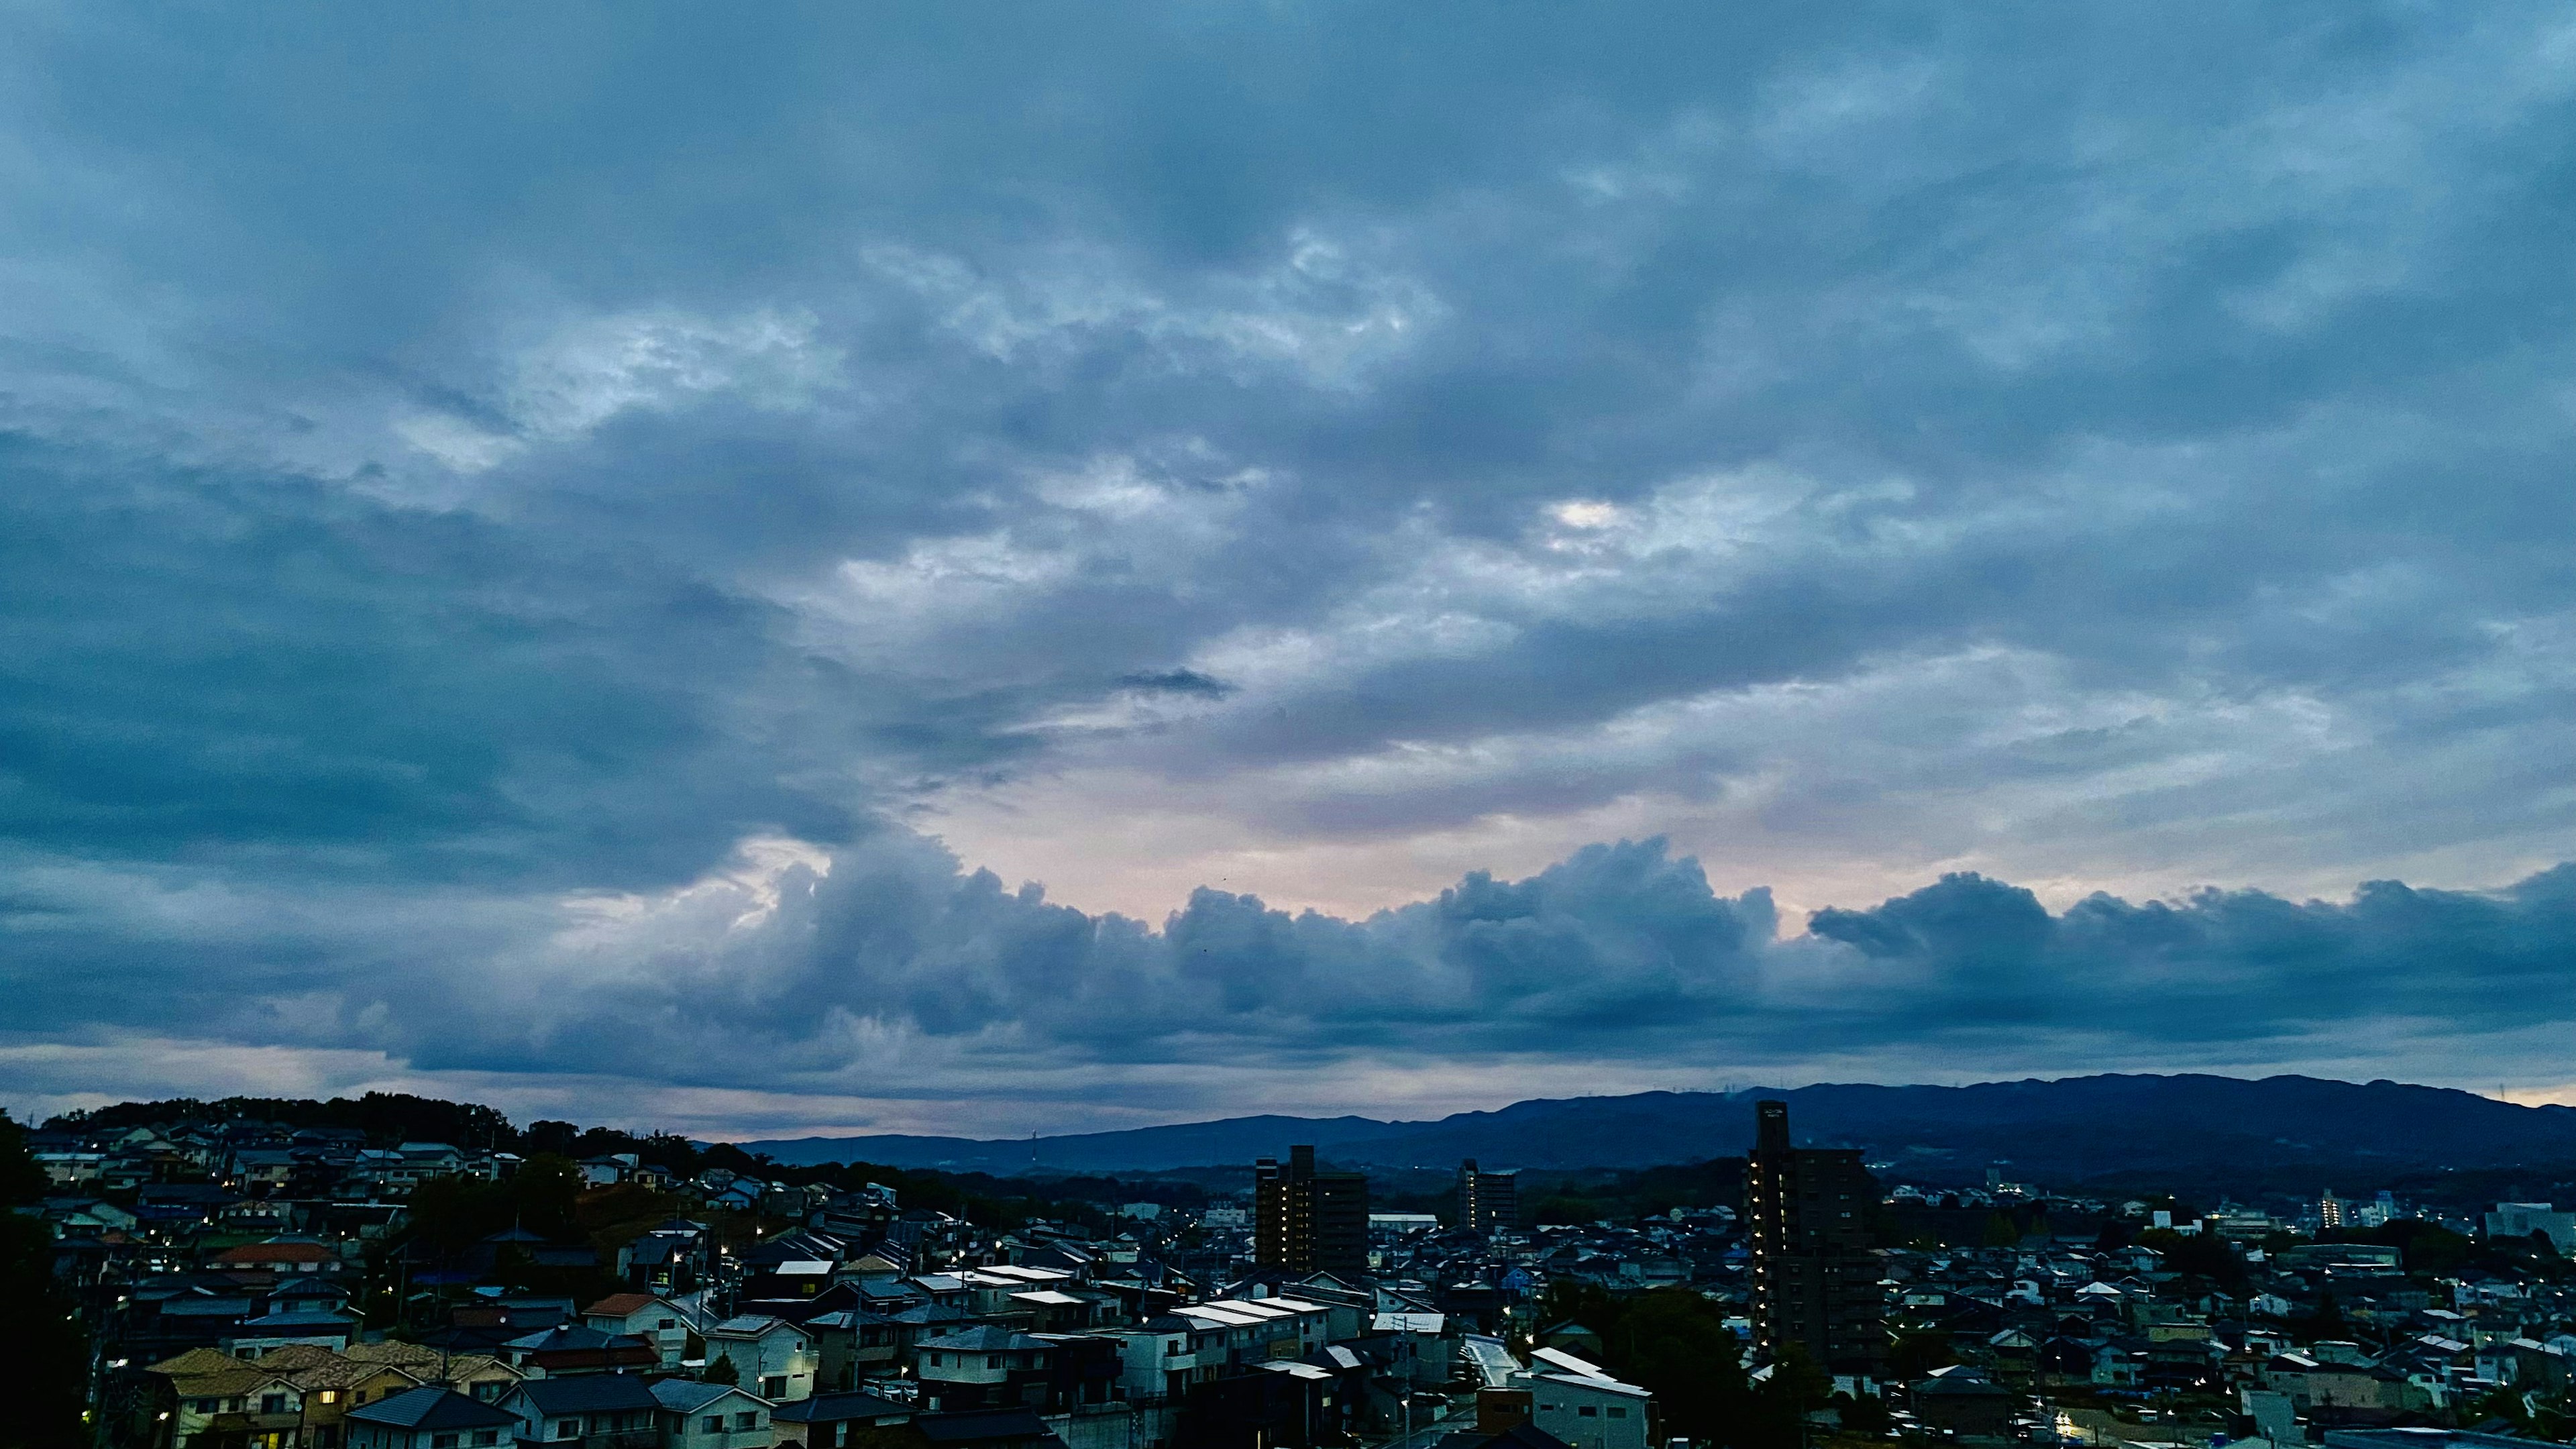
224,1384
621,1304
393,1351
297,1356
199,1361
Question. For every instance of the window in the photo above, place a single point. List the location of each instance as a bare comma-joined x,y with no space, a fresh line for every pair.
487,1437
442,1441
772,1388
568,1429
330,1396
1618,1413
1589,1412
747,1419
992,1360
934,1361
272,1403
711,1424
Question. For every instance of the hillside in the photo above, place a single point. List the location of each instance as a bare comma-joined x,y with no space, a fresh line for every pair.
2285,1133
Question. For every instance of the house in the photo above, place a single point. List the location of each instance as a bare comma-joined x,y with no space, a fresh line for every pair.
334,1385
1518,1436
1579,1403
661,1262
1965,1403
570,1349
982,1429
428,1418
711,1416
988,1367
1571,1336
64,1169
595,1409
476,1374
836,1420
324,1328
279,1256
424,1160
608,1170
656,1320
215,1397
776,1357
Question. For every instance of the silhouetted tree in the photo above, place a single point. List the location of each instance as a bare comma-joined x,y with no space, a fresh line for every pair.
41,1335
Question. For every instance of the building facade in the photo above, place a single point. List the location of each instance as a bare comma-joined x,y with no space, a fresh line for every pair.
1306,1220
1488,1201
1815,1281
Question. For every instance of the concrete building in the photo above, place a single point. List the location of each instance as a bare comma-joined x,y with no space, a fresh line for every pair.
1815,1284
1306,1220
1488,1201
2522,1219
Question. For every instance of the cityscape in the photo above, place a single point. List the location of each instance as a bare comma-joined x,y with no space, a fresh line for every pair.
1288,724
244,1276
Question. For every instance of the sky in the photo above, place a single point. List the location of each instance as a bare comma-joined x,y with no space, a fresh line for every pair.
953,569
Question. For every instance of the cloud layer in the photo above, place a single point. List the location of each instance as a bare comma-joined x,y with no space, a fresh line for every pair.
532,547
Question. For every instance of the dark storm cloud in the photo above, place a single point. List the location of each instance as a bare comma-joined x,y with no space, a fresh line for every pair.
1621,952
474,490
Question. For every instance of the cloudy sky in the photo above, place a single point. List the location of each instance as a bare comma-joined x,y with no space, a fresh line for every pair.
956,569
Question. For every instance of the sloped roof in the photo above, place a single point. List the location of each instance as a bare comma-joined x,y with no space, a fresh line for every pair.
585,1393
984,1337
275,1252
621,1304
392,1351
984,1425
433,1408
198,1361
834,1407
688,1396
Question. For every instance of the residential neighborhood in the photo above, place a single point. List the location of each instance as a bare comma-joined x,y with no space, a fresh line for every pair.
251,1285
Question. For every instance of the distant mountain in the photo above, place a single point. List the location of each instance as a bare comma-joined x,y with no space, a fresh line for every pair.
1232,1141
2286,1132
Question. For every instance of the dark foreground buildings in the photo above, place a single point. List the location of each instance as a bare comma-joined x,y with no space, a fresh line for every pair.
1305,1221
1815,1282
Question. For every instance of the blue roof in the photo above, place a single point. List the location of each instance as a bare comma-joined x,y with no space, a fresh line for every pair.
834,1407
431,1407
587,1393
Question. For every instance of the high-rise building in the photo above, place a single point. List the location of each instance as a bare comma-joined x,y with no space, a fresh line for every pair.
1305,1221
1815,1281
1488,1201
2330,1210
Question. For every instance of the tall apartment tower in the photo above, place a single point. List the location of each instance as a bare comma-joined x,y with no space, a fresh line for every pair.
1305,1221
1815,1282
1488,1201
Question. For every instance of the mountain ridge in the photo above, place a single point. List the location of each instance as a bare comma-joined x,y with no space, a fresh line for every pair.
2057,1131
